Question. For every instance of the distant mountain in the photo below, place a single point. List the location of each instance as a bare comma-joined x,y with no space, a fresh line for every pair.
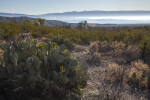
99,13
12,15
99,17
83,13
48,22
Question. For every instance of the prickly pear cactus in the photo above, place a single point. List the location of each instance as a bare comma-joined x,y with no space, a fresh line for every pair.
26,61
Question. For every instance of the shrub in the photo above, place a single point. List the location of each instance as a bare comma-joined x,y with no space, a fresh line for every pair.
115,73
94,59
137,74
93,48
1,54
62,40
9,30
145,48
79,48
128,52
117,48
132,52
41,45
104,46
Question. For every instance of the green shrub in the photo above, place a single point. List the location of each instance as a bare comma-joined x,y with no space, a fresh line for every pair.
145,47
8,30
62,40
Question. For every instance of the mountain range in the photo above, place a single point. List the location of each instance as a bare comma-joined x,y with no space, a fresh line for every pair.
100,17
83,13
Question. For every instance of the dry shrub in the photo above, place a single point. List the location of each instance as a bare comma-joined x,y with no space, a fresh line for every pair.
129,53
44,39
94,47
132,52
1,54
104,46
2,41
116,45
79,48
94,59
147,60
115,73
137,75
99,46
117,48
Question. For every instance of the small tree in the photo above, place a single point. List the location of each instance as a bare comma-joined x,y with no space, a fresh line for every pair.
37,23
82,25
42,21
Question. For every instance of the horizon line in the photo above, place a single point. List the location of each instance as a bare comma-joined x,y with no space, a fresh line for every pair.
72,11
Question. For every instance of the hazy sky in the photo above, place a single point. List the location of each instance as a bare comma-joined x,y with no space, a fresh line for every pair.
52,6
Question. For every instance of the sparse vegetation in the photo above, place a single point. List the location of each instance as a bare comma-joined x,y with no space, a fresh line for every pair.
45,68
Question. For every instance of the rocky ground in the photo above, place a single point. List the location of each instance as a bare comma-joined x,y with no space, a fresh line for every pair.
97,87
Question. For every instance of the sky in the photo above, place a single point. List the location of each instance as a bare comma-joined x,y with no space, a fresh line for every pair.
34,7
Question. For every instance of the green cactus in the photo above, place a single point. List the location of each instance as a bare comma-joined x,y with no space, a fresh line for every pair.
32,80
34,50
56,53
62,79
45,61
48,46
60,59
2,72
55,63
14,59
84,66
62,47
74,62
54,76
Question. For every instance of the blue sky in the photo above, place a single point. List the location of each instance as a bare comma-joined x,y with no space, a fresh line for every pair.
52,6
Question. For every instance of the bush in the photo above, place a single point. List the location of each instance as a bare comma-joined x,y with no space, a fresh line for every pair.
9,30
104,46
62,40
145,48
94,59
94,47
115,73
138,74
132,53
117,48
1,54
